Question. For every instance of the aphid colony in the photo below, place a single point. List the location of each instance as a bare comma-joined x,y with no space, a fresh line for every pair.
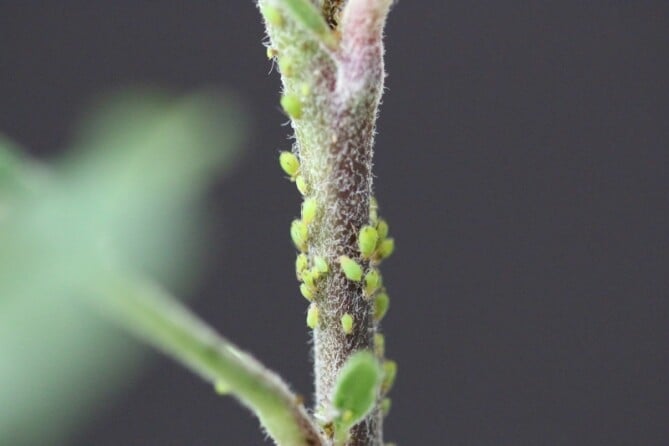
374,245
373,242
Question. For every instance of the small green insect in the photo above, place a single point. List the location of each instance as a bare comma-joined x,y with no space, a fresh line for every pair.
289,163
287,66
321,265
307,291
382,229
373,210
367,238
389,374
379,345
381,304
386,248
312,316
272,52
372,282
310,277
385,406
352,269
299,234
347,323
292,105
272,15
301,265
301,184
222,388
309,210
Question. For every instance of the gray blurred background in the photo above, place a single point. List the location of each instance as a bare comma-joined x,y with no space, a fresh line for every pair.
522,163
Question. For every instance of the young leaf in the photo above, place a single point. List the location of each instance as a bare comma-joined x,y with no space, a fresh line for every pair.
310,18
355,390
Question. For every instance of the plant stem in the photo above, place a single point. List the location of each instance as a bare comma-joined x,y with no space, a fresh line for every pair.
163,322
339,92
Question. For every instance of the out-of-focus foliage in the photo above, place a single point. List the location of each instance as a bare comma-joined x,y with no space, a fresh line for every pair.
128,193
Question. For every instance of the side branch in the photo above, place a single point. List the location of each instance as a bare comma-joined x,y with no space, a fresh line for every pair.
162,321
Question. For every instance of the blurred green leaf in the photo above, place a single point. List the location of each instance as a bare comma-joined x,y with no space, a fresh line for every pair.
128,192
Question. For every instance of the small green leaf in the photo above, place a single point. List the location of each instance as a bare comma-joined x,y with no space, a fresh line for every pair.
356,390
310,18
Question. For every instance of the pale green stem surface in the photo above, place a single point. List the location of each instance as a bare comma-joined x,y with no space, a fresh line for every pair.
162,321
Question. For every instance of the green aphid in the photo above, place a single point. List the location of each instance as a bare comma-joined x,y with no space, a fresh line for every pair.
287,66
381,304
389,374
292,105
301,265
299,234
321,265
310,277
309,210
352,269
382,229
373,210
386,248
312,316
367,238
289,163
272,15
301,184
315,273
307,291
372,282
222,388
272,52
379,345
347,323
386,404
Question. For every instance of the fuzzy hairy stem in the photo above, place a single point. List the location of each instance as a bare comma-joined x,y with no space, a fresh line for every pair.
339,92
163,322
